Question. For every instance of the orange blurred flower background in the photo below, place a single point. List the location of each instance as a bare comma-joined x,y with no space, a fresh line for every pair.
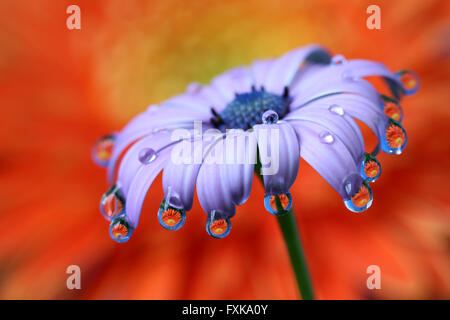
61,89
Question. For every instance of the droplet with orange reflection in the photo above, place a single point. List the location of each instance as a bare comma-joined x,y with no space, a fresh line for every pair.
370,168
102,150
285,203
218,228
119,230
112,203
171,218
409,80
361,200
394,140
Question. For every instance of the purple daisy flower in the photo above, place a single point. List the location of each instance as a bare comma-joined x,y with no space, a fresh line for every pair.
302,104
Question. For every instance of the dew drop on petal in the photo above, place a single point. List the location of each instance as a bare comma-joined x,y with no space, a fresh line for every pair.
361,200
394,139
338,110
270,203
270,117
338,59
409,80
218,228
102,150
119,230
326,137
370,168
171,218
147,155
112,203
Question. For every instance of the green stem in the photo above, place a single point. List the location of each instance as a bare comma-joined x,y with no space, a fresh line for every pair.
288,225
291,236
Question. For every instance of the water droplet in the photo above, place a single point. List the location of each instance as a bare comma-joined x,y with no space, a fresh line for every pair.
171,218
394,139
147,155
119,230
270,202
218,228
338,59
270,117
410,81
112,203
336,110
326,137
361,200
102,150
370,168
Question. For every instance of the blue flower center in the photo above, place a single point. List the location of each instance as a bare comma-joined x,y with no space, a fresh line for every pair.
247,109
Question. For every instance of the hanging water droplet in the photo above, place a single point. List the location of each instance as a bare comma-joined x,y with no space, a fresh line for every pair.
218,228
283,206
326,137
334,108
147,155
338,59
270,117
370,168
394,139
392,109
112,203
361,200
171,218
410,81
102,150
119,230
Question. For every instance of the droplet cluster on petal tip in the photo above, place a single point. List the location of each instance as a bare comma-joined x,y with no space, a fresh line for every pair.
171,218
409,80
218,228
112,204
284,205
370,168
394,139
119,229
102,150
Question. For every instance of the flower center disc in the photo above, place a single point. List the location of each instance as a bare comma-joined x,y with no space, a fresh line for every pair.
247,109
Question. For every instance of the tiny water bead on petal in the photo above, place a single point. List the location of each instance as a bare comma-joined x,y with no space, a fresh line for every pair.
147,155
335,109
218,228
284,205
409,80
392,109
394,139
171,218
270,117
119,230
102,150
338,59
112,203
361,200
326,137
370,168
